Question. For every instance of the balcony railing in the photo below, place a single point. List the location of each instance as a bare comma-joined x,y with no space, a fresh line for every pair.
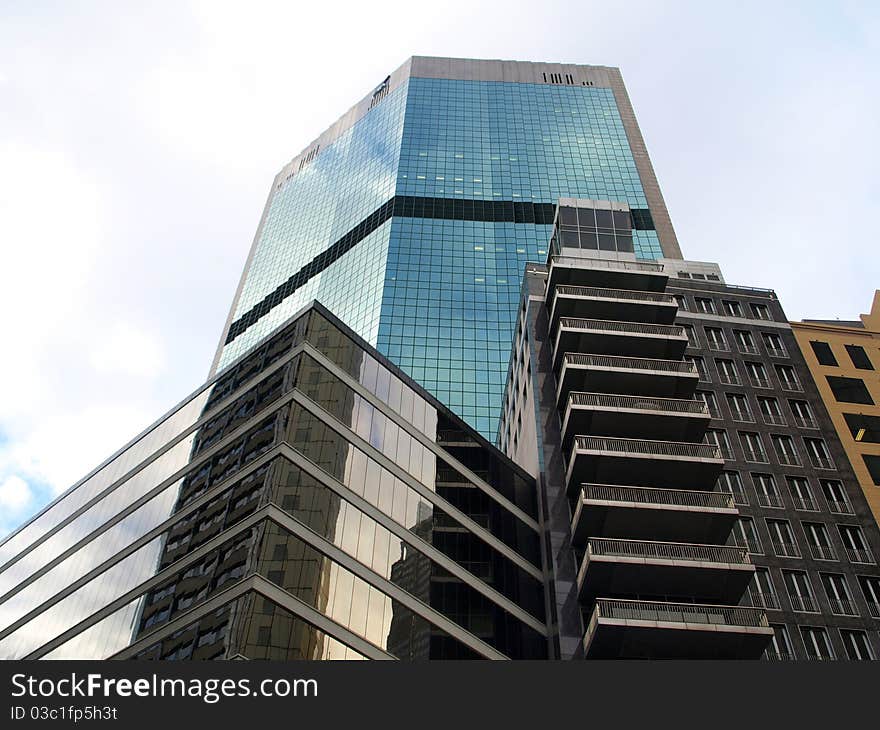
803,603
605,293
650,448
606,264
802,503
631,363
634,402
773,419
634,328
823,552
793,385
753,545
874,609
805,422
651,495
776,351
747,349
770,500
786,549
838,507
821,462
842,607
860,555
728,378
760,382
666,550
778,656
788,459
680,612
764,600
719,346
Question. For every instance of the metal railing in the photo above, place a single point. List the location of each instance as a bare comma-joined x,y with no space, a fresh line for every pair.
680,612
606,293
777,351
631,363
634,402
859,555
653,448
608,325
718,346
802,503
874,609
747,349
822,552
586,263
614,547
802,603
821,462
652,495
792,385
842,607
804,422
786,549
773,419
760,382
787,459
764,600
841,508
778,656
770,500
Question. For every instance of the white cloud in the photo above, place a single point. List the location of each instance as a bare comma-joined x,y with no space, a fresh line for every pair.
127,350
14,493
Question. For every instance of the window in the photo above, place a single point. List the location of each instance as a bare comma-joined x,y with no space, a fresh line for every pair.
770,411
765,486
730,482
761,591
782,539
823,353
753,447
857,646
681,302
691,335
757,374
715,338
699,365
760,311
746,535
780,648
773,343
849,390
859,357
816,643
803,414
708,397
718,437
872,464
732,308
727,371
818,453
819,541
704,305
787,377
854,544
836,497
870,585
800,592
801,494
839,597
864,429
783,446
744,342
739,407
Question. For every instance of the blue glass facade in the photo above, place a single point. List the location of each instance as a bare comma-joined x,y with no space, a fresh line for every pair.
437,295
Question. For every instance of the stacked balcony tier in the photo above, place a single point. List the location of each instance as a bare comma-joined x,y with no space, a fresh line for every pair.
611,337
622,629
611,304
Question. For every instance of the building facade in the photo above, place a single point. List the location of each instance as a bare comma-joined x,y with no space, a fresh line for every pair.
844,358
695,498
432,193
310,502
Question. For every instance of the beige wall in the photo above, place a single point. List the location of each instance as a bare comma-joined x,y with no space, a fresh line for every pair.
837,336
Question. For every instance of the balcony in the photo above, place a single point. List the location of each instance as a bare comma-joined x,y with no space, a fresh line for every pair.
822,552
621,629
760,599
647,513
674,419
842,607
636,462
632,375
576,271
861,555
839,507
786,549
636,567
804,604
630,339
611,304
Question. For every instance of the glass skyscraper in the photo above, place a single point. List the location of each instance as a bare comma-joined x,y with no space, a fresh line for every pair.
413,216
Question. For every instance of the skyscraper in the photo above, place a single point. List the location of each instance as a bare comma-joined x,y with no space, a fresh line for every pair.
432,193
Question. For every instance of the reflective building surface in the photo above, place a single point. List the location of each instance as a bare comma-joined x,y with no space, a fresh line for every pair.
309,502
432,193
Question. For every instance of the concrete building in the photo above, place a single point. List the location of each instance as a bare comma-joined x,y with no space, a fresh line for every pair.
843,358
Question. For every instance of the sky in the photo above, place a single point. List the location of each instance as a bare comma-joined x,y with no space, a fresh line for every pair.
139,140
